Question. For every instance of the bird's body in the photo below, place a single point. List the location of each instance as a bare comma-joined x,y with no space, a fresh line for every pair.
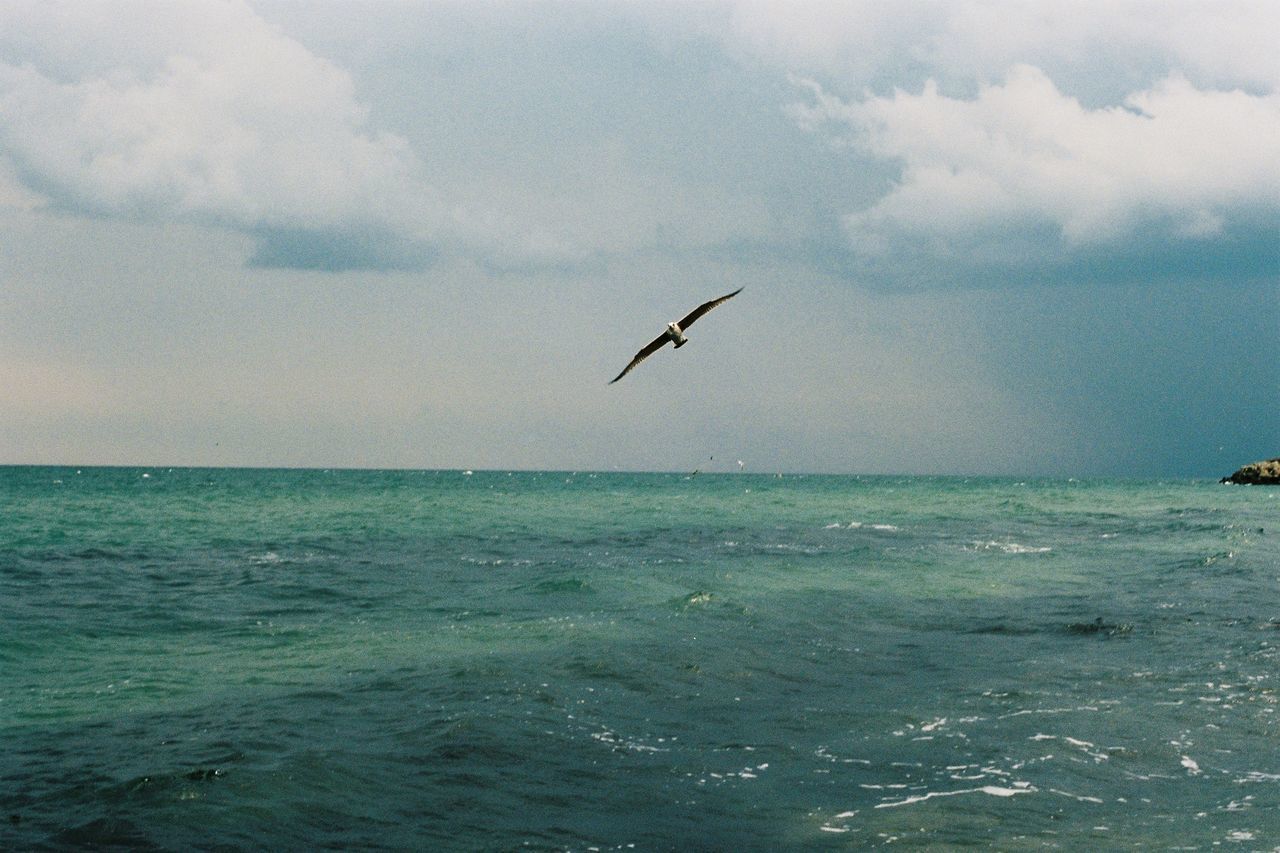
675,333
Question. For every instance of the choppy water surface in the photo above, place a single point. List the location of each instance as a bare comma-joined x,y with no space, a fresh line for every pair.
435,660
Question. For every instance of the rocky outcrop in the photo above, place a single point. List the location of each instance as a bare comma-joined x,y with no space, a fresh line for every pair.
1265,473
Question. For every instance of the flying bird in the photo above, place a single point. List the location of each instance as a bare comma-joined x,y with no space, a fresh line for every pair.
674,332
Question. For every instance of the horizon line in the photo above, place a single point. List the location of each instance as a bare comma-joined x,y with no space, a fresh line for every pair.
611,471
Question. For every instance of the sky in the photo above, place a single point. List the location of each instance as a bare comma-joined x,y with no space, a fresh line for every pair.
975,237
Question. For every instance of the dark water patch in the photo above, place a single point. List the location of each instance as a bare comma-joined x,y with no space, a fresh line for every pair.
318,694
1005,629
634,678
473,747
472,615
563,585
107,555
318,593
697,598
106,833
94,556
21,570
1217,561
1098,628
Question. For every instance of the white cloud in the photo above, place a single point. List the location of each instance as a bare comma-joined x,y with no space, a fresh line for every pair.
1038,135
199,111
855,38
1228,43
1023,155
205,112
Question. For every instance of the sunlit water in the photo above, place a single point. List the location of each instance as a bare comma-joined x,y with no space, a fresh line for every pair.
192,659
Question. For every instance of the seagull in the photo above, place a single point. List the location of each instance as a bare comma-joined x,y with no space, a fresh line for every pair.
674,332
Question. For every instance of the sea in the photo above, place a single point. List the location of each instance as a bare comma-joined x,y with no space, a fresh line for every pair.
221,659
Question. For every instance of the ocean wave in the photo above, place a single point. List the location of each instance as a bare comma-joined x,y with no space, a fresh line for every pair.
1009,547
620,743
990,790
558,585
559,668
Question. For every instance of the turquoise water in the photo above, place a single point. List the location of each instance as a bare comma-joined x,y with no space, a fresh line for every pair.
195,659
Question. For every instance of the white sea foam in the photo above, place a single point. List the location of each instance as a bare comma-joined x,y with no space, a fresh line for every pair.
831,825
1083,798
979,772
1088,748
1026,711
824,752
1010,547
617,743
990,790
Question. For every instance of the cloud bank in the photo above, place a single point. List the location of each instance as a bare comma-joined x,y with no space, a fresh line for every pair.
1096,46
1044,138
1020,139
1023,161
203,112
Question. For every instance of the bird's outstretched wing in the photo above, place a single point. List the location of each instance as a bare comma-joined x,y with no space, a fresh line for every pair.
704,308
652,347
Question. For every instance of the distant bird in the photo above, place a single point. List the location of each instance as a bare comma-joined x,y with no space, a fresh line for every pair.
675,332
